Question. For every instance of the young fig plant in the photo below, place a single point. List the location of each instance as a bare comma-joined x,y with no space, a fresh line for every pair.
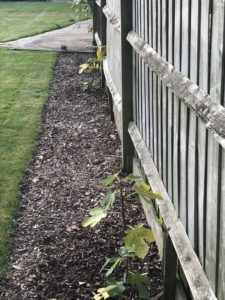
136,239
94,63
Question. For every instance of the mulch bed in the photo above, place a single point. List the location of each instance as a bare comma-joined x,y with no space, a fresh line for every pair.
52,256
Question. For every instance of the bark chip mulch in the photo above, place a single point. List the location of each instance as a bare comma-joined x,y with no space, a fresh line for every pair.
52,256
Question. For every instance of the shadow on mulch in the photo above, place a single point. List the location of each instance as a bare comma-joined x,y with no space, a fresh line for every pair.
52,255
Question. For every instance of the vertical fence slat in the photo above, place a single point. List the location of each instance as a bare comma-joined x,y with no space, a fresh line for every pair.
221,271
137,68
159,101
202,136
192,129
147,112
164,95
184,113
150,81
154,86
212,210
177,59
170,102
137,64
140,67
143,101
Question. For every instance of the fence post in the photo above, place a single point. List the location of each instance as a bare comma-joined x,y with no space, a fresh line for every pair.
169,268
102,36
127,95
95,20
103,24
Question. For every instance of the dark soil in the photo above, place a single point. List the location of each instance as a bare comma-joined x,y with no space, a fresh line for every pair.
52,256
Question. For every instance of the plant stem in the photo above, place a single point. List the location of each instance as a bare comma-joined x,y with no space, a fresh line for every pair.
130,265
128,196
122,200
142,265
131,293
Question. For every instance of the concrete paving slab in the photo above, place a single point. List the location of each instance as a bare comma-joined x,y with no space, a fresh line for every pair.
74,38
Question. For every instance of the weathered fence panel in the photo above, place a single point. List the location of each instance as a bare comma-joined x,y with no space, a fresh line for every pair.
177,69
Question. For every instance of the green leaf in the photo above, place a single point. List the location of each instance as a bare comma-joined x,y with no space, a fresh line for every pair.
116,289
136,238
108,200
126,251
112,290
143,189
97,214
114,262
108,180
139,282
133,177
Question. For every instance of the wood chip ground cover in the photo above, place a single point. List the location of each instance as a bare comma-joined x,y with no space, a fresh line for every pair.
52,256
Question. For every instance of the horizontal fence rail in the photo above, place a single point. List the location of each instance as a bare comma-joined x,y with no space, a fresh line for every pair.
113,19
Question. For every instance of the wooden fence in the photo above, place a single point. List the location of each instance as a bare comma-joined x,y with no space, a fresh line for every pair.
165,70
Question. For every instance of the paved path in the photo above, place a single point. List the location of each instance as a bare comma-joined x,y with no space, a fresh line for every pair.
74,38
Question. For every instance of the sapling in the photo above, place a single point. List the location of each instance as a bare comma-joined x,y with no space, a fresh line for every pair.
93,64
135,238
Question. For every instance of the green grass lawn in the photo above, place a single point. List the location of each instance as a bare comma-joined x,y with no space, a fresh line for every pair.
21,19
24,84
